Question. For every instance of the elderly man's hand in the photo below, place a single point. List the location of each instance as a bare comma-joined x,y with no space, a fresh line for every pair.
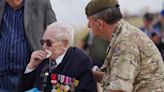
98,75
36,58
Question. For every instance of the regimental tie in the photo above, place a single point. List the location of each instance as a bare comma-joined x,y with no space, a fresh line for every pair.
52,65
46,72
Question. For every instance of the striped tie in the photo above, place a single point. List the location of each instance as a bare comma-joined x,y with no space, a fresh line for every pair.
52,65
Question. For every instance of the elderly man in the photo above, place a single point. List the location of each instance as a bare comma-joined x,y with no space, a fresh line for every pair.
133,63
67,68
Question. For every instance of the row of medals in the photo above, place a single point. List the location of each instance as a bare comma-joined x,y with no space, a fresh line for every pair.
62,83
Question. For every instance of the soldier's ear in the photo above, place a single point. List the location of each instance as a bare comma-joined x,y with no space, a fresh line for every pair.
100,24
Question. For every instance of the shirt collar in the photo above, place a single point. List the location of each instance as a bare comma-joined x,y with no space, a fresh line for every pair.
118,30
60,58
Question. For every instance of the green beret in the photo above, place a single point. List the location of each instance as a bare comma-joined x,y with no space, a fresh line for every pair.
95,6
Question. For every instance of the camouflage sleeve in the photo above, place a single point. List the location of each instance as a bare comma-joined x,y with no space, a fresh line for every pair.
123,66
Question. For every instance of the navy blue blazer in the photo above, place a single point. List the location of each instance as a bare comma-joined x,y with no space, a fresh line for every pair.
75,64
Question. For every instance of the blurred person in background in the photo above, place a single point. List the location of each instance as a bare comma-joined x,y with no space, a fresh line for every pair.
133,63
95,48
67,69
160,25
22,24
148,28
156,38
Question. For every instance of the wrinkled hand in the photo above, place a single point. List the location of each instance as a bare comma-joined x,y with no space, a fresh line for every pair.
36,58
98,75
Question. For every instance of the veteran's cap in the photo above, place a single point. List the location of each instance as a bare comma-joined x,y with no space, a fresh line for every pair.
95,6
148,16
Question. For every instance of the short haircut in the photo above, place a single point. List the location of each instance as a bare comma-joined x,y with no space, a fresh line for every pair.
109,15
62,31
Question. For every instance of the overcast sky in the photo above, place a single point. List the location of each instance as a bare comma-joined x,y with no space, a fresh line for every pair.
73,11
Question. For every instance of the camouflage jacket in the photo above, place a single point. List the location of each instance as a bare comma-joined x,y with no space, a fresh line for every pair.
133,63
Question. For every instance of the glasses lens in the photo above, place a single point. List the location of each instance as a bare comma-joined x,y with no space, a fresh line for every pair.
42,42
48,42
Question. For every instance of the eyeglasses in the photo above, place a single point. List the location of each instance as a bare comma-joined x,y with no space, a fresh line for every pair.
48,42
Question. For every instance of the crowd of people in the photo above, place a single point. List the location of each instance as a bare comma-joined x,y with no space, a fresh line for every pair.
153,28
37,52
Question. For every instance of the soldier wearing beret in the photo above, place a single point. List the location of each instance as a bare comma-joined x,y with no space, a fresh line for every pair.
133,63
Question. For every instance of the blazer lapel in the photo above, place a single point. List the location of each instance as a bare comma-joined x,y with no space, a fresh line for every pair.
28,7
60,67
2,6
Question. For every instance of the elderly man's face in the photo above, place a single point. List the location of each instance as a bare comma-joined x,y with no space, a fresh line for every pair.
14,3
55,46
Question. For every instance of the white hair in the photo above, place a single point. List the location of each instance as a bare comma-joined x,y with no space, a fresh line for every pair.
62,31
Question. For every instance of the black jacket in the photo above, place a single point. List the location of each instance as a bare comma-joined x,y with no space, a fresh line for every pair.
75,64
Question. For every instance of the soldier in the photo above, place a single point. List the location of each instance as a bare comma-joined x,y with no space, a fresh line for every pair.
133,63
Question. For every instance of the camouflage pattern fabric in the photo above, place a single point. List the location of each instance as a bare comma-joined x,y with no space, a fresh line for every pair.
133,63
